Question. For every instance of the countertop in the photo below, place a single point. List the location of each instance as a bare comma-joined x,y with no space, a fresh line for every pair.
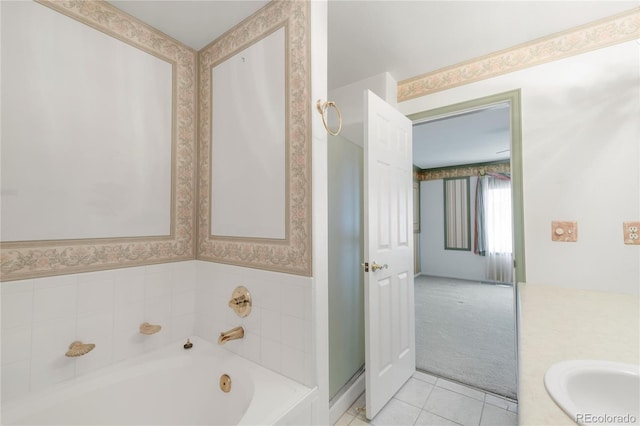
556,324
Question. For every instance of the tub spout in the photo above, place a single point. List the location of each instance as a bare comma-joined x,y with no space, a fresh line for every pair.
233,334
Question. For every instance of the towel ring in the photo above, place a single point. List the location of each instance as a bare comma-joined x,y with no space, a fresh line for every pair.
322,109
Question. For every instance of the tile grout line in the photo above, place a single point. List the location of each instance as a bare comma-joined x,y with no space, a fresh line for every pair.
434,385
484,404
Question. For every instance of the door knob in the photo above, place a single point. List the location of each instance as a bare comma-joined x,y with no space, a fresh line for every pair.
376,267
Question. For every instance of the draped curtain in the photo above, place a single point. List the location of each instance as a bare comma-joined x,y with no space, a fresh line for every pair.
493,230
479,234
457,222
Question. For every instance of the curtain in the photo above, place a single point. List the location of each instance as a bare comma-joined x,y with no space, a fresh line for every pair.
499,234
456,205
480,229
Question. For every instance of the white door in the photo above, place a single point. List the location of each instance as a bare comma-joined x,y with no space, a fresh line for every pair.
388,242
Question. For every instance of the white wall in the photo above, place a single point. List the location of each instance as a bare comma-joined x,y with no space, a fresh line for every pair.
350,101
434,259
580,133
319,282
248,84
41,317
86,139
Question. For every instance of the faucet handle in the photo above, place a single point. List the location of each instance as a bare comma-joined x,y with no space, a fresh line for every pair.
238,301
241,301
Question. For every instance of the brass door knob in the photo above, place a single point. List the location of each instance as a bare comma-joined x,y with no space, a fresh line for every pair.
376,267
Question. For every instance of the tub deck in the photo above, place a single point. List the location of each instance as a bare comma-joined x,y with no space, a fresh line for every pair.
169,386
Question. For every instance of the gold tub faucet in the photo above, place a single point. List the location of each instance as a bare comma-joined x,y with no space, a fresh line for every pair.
233,334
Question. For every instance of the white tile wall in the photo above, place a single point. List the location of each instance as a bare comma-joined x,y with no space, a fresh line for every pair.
278,332
41,317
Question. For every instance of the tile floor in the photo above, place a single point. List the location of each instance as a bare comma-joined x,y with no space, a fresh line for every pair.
430,400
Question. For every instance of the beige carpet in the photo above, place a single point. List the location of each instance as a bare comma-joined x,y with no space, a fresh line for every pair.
465,331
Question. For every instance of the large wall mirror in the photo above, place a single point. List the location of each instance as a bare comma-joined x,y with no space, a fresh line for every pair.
254,162
98,141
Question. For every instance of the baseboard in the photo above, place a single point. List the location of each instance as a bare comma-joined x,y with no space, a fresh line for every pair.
342,403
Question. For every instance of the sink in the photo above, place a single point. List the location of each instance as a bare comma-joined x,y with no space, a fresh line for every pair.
592,391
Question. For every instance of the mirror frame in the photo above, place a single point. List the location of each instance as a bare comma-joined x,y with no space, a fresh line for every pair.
23,260
293,253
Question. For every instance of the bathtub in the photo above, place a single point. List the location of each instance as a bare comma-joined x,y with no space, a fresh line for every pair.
169,386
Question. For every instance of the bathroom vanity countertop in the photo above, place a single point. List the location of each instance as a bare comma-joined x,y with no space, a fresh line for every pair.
557,324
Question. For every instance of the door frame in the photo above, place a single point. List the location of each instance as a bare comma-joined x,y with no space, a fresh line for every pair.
513,97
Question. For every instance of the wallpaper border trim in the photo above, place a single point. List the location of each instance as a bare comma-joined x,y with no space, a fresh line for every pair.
596,35
293,253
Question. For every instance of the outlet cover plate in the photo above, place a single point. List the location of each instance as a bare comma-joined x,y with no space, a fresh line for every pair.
564,231
631,232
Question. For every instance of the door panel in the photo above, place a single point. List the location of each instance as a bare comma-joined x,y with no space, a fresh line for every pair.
389,304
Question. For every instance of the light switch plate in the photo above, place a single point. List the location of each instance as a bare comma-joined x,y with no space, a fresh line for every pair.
564,231
631,232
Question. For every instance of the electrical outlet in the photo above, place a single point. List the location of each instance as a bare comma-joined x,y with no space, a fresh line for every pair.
631,232
564,231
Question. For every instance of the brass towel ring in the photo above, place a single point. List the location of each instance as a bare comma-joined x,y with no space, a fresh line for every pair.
322,109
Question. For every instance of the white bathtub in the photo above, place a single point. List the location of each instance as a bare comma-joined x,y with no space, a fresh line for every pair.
170,386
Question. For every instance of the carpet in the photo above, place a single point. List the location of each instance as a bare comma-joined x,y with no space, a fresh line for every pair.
465,331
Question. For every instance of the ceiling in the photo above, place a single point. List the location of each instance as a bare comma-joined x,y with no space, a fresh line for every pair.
404,38
479,136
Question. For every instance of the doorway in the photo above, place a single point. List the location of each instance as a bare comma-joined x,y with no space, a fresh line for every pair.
465,286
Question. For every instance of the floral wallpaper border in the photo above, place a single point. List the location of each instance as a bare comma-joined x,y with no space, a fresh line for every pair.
461,171
22,260
292,254
606,32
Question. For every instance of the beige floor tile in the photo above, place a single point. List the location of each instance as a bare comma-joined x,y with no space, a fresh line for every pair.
494,416
414,392
396,413
454,406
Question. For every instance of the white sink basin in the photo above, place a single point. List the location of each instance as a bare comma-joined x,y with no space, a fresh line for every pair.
591,392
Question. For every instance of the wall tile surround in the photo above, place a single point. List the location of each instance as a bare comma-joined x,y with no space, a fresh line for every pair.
278,332
42,316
